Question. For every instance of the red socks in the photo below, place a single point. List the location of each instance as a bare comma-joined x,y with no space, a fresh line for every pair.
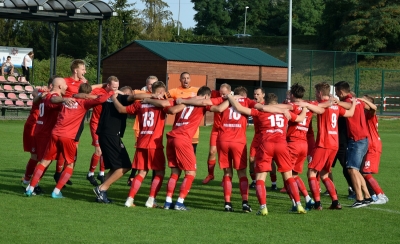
261,192
60,164
331,188
292,189
172,184
373,183
211,166
65,176
244,188
37,174
314,187
93,162
227,185
136,183
301,185
156,185
186,185
30,168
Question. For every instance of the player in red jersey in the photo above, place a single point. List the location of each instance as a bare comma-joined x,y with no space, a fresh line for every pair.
326,145
224,89
180,152
63,137
357,144
297,138
372,158
273,146
29,130
149,153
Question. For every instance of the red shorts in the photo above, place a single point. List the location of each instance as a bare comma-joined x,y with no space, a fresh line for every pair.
27,138
255,143
180,153
322,158
372,160
149,159
39,146
268,151
232,155
213,137
61,145
298,154
95,137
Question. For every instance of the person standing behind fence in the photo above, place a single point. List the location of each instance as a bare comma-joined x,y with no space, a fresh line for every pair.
26,63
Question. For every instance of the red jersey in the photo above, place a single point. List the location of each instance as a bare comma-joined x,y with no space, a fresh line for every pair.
374,141
73,86
151,121
94,120
357,125
327,136
48,113
188,120
257,124
272,126
233,124
70,117
217,116
298,130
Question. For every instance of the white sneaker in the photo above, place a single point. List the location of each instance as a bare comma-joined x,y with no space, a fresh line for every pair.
150,202
379,200
384,197
129,203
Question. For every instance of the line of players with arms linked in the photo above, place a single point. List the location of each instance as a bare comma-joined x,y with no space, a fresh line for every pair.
56,122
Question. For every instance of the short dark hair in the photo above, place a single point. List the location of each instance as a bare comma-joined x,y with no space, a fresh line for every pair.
183,73
112,78
324,88
343,86
51,79
240,90
8,57
125,88
156,85
260,88
75,64
85,88
271,98
297,90
204,90
369,98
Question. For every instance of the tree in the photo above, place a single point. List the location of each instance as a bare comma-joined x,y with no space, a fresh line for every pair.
158,21
212,17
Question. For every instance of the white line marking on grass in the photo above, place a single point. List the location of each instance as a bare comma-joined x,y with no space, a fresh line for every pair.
385,210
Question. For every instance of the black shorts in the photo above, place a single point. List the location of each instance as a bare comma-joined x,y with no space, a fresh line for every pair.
114,152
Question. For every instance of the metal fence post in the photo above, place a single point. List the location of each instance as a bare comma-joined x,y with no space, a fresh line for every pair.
383,93
311,66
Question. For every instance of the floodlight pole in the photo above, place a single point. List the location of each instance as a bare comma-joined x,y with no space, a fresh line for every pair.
289,73
99,50
179,13
245,18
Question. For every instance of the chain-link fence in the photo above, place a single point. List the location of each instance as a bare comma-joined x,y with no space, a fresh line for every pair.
375,74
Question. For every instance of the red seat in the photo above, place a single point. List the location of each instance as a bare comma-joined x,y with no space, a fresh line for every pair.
2,78
18,88
11,79
29,103
8,88
9,103
22,79
28,88
23,96
19,103
2,96
12,96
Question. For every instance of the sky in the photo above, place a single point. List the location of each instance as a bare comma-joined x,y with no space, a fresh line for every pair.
186,12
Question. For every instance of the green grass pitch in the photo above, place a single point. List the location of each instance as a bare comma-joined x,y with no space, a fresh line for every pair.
79,219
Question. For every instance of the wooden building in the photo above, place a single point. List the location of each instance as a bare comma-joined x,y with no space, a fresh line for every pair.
209,65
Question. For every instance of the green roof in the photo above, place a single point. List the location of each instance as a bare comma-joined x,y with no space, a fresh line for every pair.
173,51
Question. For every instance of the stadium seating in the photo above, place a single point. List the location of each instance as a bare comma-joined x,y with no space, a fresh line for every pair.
29,103
3,79
2,96
12,96
28,89
9,103
11,79
8,88
23,96
19,103
19,88
22,79
1,89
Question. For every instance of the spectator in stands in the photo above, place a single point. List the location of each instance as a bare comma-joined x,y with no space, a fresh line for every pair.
7,68
26,63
